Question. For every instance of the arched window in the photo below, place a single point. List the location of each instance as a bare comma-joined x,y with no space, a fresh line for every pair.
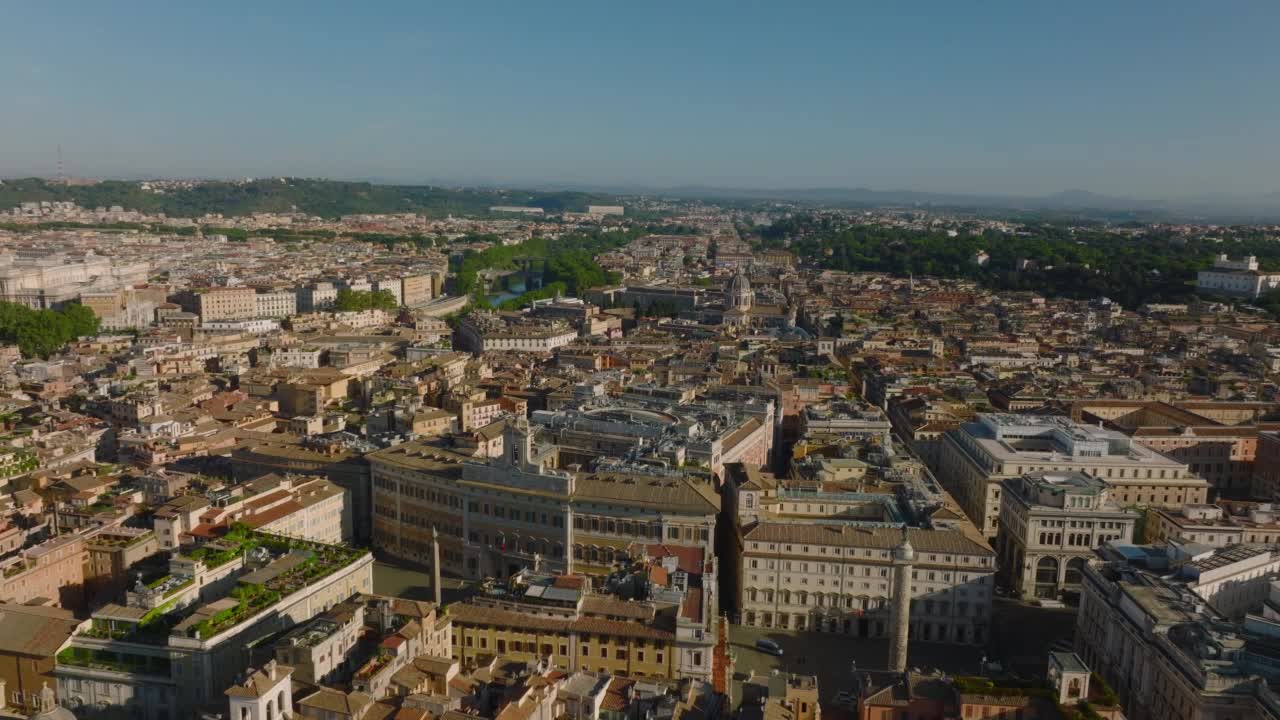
1047,577
1075,572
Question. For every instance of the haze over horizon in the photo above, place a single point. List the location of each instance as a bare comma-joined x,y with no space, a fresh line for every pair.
1014,100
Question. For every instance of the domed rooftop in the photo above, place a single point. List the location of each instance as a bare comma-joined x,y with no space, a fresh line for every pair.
739,294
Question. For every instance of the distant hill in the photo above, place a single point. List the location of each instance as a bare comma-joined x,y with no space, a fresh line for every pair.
326,198
1083,203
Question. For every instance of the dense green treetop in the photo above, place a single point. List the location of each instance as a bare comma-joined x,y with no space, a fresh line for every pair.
357,300
41,333
1154,266
568,259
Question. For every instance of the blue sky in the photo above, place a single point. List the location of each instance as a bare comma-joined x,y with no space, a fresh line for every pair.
1151,99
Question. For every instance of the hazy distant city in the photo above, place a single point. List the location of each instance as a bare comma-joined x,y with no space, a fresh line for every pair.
577,362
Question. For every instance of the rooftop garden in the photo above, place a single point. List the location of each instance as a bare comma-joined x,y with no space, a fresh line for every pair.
974,685
299,563
317,561
16,462
1101,696
250,599
114,661
376,663
152,628
123,541
175,585
240,539
1100,693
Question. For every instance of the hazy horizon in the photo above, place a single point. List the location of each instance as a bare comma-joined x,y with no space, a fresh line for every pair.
1013,100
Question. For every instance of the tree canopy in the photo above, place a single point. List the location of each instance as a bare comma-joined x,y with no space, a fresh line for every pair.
357,300
41,333
569,259
1131,268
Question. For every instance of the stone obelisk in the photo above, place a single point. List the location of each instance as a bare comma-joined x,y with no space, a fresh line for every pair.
900,604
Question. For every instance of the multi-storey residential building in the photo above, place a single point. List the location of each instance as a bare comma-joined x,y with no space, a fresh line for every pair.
172,651
282,303
160,485
327,648
257,326
1050,523
112,551
310,358
1169,654
486,332
846,419
30,637
389,285
230,303
1217,440
836,577
176,518
341,461
977,456
298,506
1236,278
1266,468
707,434
52,571
1202,524
309,507
554,619
416,289
497,515
410,630
316,297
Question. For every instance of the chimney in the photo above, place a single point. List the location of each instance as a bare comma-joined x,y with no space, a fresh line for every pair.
270,669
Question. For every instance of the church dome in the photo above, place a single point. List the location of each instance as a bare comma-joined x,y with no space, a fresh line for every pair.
739,294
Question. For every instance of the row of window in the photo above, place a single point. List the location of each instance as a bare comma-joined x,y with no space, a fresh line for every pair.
866,628
1134,473
849,602
545,650
1082,540
865,552
867,571
585,523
